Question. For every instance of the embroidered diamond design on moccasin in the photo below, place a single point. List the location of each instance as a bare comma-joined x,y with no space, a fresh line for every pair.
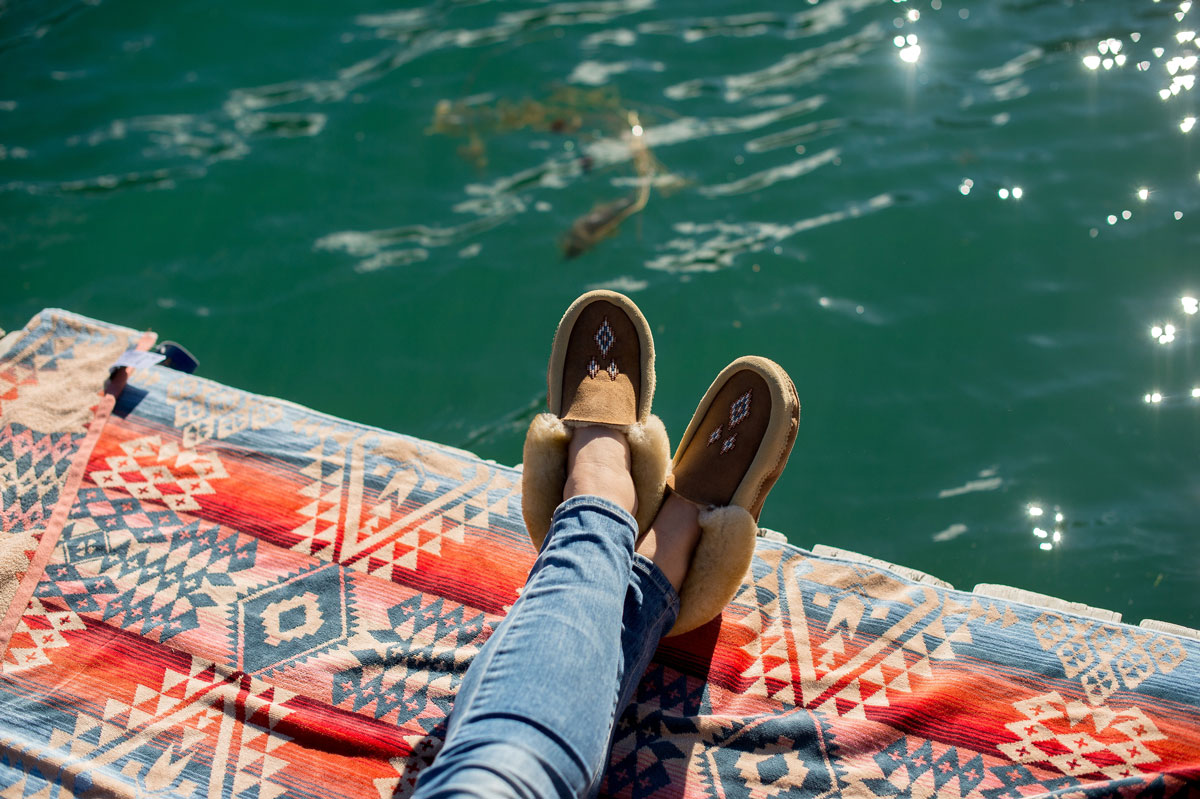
605,338
593,368
612,370
728,444
715,435
740,409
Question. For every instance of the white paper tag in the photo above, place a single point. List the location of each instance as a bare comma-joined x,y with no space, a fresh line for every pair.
138,359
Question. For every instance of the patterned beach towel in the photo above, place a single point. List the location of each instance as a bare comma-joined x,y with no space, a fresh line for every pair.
209,593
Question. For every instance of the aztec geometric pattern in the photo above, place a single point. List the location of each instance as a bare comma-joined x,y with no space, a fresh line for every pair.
241,598
50,379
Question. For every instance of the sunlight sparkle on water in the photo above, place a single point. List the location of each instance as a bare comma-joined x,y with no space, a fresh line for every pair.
1164,334
910,51
1179,67
1167,333
964,188
1055,534
1143,193
1187,124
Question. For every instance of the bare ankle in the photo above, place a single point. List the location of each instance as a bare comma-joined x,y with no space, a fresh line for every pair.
672,538
598,463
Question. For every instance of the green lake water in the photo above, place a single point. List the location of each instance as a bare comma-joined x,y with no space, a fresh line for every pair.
930,213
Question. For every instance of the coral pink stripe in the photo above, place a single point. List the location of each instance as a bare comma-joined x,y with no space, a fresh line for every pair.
62,508
58,520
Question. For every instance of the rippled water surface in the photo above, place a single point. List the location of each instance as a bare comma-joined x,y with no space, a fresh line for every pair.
956,224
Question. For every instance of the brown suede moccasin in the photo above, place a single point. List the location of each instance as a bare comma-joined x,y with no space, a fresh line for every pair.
601,372
733,451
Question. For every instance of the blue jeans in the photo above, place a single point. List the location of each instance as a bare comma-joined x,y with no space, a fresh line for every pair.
535,713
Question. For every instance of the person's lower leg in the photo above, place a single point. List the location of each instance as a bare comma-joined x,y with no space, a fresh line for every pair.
544,688
561,668
672,538
598,464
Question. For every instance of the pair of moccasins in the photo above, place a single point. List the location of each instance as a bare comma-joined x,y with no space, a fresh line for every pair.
601,372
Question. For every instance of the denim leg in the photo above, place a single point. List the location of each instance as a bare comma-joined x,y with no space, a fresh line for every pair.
535,712
651,606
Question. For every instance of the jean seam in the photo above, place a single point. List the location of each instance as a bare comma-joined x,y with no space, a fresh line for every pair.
654,575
